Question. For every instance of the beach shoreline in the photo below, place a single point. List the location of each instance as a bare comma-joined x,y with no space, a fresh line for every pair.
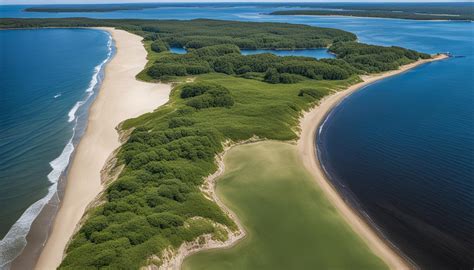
121,97
174,259
115,103
310,123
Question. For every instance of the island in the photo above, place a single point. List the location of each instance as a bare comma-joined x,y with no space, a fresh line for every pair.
158,203
460,11
456,11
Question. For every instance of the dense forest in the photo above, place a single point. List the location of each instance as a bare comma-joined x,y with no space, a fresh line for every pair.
381,13
203,32
156,202
352,58
78,9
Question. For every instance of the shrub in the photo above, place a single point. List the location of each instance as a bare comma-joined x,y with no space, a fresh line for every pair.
165,220
219,97
95,224
223,66
180,122
159,46
160,70
206,95
244,69
195,89
198,69
272,76
290,78
217,50
314,93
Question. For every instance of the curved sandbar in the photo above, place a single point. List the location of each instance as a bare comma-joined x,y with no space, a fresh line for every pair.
121,97
309,125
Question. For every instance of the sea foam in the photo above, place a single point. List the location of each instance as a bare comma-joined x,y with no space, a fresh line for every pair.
15,240
92,84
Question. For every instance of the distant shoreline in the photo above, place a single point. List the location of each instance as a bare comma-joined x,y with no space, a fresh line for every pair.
120,97
310,125
374,15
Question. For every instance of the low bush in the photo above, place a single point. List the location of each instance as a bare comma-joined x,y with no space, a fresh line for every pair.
313,93
165,220
159,46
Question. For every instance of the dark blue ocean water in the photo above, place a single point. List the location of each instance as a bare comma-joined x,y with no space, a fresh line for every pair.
48,78
402,148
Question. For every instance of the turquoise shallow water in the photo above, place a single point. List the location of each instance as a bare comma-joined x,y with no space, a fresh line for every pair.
314,53
48,79
402,148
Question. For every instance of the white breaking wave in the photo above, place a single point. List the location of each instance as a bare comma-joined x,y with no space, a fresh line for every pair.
15,240
92,83
57,95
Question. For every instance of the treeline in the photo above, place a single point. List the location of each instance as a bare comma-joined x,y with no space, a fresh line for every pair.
227,59
203,32
79,9
372,58
408,15
156,200
352,58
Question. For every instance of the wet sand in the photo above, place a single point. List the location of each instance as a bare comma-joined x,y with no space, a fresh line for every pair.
121,97
310,124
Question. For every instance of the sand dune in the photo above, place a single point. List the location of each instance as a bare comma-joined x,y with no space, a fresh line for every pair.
121,97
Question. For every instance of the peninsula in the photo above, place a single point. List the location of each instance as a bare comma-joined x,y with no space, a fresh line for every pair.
151,200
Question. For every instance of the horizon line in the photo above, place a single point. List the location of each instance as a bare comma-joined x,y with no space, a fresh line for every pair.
244,2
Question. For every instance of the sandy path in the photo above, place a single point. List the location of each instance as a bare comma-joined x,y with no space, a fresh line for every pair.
121,97
309,125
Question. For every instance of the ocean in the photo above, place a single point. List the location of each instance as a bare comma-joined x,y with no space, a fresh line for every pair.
401,149
48,79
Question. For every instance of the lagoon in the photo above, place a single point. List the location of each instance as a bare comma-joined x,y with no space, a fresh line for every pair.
314,53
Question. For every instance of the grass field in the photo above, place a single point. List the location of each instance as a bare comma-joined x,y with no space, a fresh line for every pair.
290,224
219,96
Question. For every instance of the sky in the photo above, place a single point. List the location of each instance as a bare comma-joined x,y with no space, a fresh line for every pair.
28,2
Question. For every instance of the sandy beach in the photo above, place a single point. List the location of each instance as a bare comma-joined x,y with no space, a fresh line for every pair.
309,125
121,97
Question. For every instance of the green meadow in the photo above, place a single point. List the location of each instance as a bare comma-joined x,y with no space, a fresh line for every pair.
289,222
220,96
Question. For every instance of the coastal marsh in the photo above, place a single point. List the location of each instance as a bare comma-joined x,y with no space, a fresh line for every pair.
289,222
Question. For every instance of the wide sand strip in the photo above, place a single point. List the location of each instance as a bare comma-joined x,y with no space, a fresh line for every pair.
121,97
306,147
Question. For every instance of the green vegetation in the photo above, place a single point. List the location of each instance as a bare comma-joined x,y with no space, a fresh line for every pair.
156,199
159,46
300,230
79,9
460,11
415,11
156,202
370,58
203,32
227,59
